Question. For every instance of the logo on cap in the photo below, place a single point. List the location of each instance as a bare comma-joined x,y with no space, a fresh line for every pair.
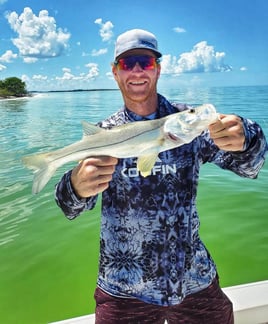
147,44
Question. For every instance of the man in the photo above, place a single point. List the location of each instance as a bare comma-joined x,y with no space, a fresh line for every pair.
153,266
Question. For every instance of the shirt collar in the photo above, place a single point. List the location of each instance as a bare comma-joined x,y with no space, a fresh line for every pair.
164,108
135,117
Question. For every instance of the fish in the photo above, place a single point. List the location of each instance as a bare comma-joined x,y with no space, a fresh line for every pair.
141,139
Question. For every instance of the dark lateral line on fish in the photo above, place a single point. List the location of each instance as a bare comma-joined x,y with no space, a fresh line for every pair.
107,145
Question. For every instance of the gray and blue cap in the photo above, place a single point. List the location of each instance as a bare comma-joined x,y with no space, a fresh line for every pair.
136,39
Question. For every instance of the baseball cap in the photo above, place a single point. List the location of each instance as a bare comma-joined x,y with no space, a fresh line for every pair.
136,39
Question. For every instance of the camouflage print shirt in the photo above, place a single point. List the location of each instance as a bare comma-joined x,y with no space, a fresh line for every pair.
150,247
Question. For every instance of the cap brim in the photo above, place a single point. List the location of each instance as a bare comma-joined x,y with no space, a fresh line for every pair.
158,54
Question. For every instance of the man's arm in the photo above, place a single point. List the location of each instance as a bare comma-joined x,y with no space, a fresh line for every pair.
242,145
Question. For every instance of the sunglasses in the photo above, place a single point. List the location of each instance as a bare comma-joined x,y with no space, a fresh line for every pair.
146,62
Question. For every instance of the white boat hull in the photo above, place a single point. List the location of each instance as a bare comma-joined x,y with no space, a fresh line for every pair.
250,302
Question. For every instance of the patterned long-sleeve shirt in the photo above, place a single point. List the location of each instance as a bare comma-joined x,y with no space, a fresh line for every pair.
150,247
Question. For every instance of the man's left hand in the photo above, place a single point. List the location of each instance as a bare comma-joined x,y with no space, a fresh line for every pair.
228,133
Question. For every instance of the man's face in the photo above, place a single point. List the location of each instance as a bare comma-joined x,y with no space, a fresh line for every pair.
137,84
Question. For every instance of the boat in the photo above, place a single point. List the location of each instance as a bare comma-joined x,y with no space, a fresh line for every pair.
250,302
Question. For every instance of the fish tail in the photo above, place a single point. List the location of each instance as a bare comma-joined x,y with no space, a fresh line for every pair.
43,170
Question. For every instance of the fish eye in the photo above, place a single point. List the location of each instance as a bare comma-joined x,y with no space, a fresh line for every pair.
192,111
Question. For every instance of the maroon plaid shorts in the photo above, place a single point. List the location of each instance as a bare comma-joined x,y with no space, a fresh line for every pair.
209,306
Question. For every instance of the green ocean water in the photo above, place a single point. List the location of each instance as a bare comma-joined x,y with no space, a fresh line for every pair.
48,265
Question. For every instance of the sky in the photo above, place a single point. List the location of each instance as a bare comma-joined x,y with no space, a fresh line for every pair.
66,45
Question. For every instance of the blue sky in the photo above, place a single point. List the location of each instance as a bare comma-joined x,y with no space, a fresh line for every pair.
62,45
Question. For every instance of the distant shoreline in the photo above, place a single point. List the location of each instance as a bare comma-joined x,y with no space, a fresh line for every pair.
33,93
29,95
74,90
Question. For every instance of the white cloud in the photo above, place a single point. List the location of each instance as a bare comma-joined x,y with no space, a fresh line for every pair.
202,58
85,54
8,56
38,36
67,80
179,30
168,64
110,75
243,68
37,82
39,77
29,59
106,32
25,78
2,67
93,72
68,76
66,70
99,52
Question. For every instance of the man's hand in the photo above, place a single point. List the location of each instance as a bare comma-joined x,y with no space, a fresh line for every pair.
92,175
228,133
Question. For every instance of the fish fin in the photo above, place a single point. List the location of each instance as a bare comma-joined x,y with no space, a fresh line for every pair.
43,170
146,162
90,129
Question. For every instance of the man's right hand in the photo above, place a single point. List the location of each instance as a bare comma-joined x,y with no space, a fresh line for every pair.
92,175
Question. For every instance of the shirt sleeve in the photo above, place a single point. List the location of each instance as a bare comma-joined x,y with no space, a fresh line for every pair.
66,199
246,163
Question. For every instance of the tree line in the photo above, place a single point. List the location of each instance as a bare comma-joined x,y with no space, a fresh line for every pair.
12,87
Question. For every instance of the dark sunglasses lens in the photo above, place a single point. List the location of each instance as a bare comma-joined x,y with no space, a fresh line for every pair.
129,62
145,62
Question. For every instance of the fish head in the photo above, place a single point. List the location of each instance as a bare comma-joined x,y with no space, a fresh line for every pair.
188,124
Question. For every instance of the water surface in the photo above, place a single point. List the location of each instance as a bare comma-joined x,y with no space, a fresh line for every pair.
49,264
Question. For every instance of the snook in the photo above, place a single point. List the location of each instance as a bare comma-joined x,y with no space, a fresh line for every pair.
142,139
